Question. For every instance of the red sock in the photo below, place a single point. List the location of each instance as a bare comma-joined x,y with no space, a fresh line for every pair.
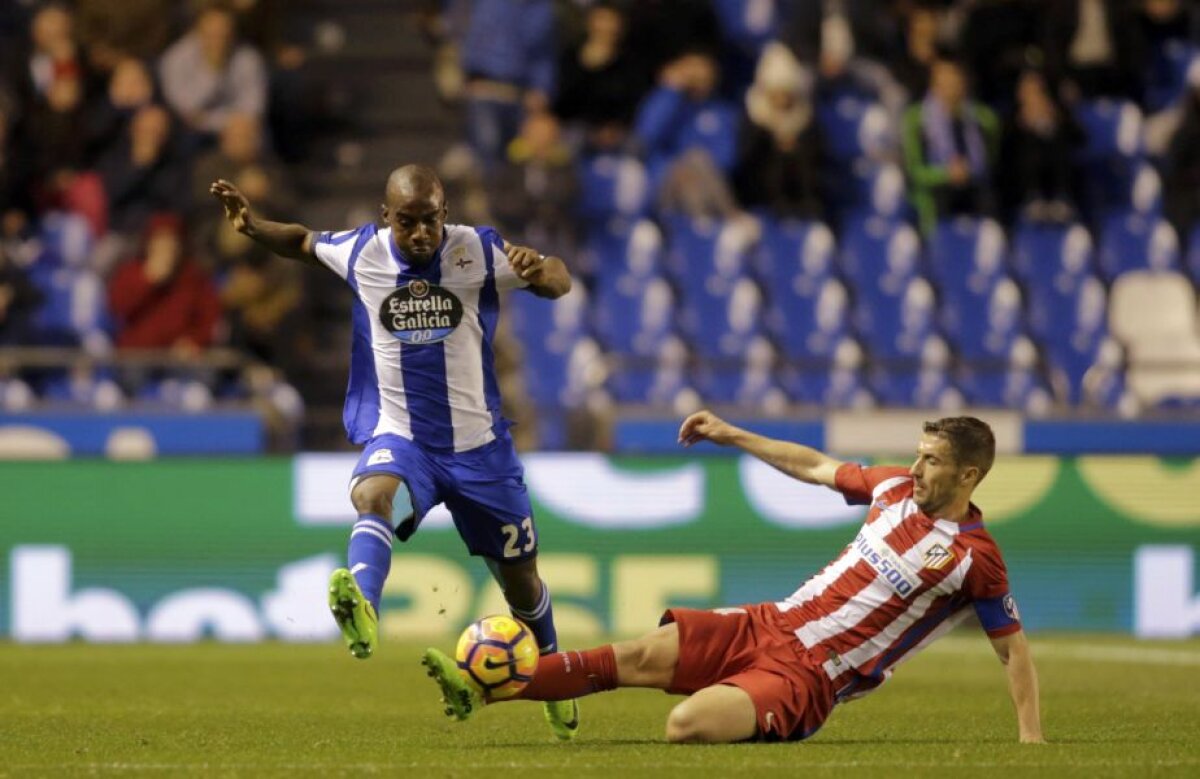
565,675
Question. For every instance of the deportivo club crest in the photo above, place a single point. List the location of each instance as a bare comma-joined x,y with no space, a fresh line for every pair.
421,313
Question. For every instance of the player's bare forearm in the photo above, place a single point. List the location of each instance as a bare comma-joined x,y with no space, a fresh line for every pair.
1022,685
293,241
287,240
550,279
796,460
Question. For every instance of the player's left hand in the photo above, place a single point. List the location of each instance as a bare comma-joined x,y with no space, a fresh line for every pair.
524,261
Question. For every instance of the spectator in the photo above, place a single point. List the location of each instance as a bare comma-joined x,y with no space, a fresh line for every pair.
508,53
689,137
54,52
19,300
949,144
1039,144
779,158
114,30
207,75
998,42
532,195
1095,47
16,205
130,88
1181,191
55,144
162,299
600,81
846,43
240,155
662,31
260,296
144,173
920,50
827,34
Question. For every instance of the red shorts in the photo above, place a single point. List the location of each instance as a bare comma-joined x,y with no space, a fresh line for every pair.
745,647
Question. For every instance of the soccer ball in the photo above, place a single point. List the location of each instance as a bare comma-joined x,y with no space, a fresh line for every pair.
497,655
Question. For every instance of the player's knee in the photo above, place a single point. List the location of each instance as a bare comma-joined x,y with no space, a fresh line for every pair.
683,726
374,499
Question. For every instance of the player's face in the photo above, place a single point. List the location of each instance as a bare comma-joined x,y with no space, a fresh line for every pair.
937,478
417,226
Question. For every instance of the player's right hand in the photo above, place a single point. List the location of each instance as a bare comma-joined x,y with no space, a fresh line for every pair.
705,426
237,207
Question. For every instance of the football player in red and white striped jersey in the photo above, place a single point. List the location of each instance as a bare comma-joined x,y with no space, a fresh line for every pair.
920,564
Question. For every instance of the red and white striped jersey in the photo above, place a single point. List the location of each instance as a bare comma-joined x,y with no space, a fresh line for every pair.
905,580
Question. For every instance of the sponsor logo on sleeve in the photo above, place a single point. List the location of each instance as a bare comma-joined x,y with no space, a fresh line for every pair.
1010,608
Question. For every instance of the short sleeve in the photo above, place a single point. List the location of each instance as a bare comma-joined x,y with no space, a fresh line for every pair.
857,484
505,277
334,250
987,586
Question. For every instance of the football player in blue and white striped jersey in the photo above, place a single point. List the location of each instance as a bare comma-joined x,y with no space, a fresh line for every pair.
423,399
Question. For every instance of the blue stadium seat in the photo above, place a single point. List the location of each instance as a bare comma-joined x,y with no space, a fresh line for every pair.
834,381
1135,241
657,379
1015,383
1110,159
854,126
1071,321
919,379
635,320
747,380
1042,252
876,251
808,322
1165,79
611,185
791,249
965,253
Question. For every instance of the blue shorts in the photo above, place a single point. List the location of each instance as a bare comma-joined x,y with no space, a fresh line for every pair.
484,489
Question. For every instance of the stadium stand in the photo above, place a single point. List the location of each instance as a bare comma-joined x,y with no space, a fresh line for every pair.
847,305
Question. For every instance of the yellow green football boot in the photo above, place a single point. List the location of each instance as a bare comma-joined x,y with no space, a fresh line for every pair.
460,697
354,614
563,718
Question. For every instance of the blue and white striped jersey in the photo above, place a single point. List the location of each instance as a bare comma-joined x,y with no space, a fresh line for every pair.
421,365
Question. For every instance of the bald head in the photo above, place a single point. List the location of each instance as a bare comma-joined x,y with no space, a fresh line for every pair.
415,209
412,182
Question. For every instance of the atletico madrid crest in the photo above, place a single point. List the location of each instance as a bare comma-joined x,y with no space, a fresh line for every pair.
938,557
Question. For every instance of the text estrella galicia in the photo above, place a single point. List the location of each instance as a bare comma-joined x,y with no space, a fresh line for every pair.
421,313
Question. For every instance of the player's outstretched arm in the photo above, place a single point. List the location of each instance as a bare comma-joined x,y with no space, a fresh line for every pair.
547,276
287,240
1013,651
796,460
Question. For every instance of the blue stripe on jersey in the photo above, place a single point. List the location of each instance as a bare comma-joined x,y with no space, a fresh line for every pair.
336,241
424,369
489,314
360,415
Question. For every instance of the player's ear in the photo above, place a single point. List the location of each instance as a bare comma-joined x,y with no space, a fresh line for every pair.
383,212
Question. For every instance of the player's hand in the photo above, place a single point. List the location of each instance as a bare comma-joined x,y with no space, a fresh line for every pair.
524,261
706,426
237,207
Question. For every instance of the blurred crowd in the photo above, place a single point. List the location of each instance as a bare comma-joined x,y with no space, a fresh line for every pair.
584,120
722,101
114,117
592,130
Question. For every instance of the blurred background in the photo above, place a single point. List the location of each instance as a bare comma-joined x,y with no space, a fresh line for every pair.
827,219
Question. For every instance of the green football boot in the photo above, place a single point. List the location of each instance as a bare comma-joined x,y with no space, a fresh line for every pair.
563,718
354,614
460,697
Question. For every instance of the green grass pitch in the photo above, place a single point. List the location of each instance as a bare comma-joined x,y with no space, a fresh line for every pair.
1110,706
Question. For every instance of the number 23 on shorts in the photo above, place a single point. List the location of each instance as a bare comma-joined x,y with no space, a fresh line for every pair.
512,537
